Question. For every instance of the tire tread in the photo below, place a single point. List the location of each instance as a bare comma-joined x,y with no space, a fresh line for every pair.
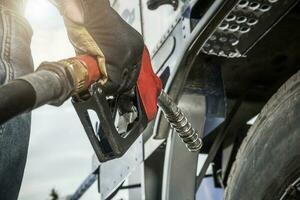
271,106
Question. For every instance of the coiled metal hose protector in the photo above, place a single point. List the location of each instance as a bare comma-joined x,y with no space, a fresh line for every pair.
179,122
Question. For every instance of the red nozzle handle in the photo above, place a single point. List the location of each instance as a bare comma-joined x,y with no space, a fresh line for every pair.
92,67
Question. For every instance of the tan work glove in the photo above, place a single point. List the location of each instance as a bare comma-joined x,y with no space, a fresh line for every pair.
94,28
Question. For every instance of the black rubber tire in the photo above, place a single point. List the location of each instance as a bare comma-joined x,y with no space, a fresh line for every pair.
268,160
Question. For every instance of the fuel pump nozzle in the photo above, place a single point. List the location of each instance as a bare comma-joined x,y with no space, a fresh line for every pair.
77,77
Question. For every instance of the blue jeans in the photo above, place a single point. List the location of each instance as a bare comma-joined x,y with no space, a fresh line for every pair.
15,61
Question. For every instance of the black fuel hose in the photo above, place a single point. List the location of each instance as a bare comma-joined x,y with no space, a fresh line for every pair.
16,97
52,83
45,86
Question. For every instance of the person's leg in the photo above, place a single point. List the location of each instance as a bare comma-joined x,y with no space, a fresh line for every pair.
15,61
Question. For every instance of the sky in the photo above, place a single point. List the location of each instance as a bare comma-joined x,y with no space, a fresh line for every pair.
59,153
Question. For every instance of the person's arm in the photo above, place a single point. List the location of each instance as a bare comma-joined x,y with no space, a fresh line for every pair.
94,28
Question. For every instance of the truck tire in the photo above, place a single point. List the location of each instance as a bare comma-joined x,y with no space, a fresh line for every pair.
267,166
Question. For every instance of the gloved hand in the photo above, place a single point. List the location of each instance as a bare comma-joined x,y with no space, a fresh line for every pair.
94,28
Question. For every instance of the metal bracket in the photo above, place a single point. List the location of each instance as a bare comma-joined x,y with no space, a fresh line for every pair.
154,4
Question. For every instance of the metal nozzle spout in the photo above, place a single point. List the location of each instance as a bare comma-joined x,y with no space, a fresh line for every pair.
179,122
